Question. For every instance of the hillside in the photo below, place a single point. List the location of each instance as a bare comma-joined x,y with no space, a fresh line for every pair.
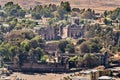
98,5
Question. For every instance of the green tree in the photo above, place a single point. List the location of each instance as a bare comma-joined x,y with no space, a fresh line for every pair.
52,7
8,4
88,14
90,60
95,45
80,41
70,48
28,34
39,39
84,47
36,42
105,13
14,10
66,6
3,14
115,14
107,22
62,45
21,13
33,43
13,50
44,58
4,50
36,15
61,13
22,57
26,45
46,13
36,54
13,23
37,8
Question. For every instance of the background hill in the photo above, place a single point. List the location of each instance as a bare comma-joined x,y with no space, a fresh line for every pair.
98,5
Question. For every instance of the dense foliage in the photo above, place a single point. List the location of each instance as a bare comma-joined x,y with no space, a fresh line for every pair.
18,37
14,10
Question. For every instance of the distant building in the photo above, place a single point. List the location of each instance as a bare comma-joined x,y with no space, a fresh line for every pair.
92,74
47,33
89,74
51,65
74,29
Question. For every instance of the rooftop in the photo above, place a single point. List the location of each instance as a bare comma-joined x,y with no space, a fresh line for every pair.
104,78
80,79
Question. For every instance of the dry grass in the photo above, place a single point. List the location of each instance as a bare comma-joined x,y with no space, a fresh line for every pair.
98,5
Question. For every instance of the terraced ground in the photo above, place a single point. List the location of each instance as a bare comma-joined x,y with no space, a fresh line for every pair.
98,5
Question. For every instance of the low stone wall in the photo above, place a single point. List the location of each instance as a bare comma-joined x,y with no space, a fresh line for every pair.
40,67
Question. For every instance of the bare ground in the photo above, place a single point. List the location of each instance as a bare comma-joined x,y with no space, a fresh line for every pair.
44,76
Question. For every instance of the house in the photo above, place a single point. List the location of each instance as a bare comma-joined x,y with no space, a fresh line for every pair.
90,74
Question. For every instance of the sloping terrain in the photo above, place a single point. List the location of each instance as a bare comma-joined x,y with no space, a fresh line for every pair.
98,5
